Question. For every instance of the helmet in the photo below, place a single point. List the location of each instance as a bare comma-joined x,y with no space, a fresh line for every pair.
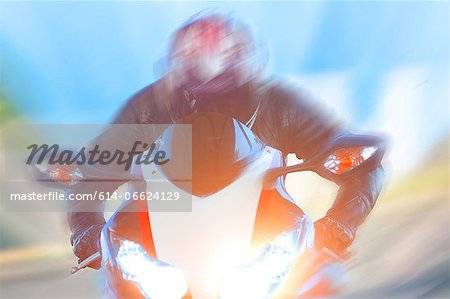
211,54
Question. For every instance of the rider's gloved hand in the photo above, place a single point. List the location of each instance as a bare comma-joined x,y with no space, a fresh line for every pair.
332,235
87,242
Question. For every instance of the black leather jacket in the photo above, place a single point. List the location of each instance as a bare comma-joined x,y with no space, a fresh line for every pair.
279,114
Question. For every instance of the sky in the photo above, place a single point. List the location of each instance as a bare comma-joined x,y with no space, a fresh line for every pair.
382,66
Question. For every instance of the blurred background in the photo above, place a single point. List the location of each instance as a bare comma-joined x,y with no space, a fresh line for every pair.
380,66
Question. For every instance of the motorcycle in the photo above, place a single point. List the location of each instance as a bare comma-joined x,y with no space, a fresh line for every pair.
243,235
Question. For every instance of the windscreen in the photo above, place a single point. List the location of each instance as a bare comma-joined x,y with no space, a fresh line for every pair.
220,148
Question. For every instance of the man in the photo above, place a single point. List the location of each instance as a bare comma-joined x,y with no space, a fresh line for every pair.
213,65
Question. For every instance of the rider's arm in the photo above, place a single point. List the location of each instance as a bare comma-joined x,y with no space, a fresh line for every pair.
85,218
304,130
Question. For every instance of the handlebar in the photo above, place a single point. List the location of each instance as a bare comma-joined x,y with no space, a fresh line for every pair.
85,263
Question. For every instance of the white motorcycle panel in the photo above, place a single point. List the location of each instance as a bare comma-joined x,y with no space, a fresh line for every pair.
216,235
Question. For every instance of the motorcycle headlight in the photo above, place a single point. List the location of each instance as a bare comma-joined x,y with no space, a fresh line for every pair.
261,276
154,278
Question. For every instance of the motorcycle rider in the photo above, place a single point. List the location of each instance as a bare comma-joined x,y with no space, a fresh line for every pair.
213,64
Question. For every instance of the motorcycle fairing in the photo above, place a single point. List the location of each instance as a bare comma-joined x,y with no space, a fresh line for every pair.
273,214
226,223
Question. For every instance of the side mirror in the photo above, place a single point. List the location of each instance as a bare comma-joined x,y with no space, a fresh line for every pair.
347,155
